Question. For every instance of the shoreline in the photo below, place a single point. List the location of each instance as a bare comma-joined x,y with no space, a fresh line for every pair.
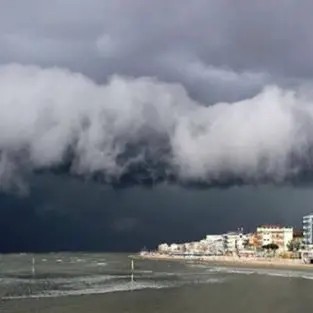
247,262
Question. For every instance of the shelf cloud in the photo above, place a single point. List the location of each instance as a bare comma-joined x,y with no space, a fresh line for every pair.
206,92
144,130
207,101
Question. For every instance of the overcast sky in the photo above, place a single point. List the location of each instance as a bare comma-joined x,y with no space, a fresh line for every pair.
217,48
139,91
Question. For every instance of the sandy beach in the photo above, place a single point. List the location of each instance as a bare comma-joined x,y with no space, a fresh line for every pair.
274,262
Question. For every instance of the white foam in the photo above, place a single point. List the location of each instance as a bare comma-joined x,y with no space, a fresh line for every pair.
100,284
101,263
196,265
143,271
210,280
65,281
291,274
91,291
86,279
267,272
231,270
310,277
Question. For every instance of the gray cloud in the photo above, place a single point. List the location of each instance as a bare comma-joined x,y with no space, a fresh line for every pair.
218,119
203,91
269,40
51,115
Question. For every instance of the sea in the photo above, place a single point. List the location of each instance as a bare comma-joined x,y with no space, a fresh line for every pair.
92,283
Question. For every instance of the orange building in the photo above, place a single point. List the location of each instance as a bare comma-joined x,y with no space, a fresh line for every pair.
253,240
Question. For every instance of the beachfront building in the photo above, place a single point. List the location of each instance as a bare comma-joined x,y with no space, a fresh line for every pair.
214,244
173,248
234,241
213,238
253,242
163,248
210,245
176,248
308,231
274,234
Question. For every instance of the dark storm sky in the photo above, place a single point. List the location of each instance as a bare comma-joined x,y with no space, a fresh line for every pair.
100,100
68,214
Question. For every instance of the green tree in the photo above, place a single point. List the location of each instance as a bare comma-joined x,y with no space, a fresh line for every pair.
273,246
294,245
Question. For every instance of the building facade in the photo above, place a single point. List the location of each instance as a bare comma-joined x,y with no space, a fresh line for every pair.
308,231
273,234
253,240
234,241
214,244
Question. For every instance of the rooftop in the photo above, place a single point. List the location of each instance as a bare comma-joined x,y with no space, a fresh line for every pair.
273,226
270,226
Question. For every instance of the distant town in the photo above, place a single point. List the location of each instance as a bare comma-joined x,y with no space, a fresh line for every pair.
267,240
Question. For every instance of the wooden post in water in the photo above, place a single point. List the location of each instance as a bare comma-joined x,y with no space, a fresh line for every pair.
132,267
33,266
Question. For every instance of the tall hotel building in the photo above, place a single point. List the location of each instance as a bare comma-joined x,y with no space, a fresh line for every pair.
308,230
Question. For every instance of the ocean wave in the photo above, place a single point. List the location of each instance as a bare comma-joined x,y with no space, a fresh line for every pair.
267,272
90,291
62,280
230,270
100,284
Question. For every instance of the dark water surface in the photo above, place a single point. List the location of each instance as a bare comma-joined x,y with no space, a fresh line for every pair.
102,283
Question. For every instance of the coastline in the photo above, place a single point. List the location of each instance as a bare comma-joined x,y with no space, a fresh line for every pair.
245,262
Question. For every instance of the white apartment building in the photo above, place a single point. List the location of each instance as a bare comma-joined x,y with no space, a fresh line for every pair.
234,241
278,235
211,238
214,244
163,248
308,231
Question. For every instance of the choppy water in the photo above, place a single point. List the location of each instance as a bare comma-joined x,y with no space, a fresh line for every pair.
104,283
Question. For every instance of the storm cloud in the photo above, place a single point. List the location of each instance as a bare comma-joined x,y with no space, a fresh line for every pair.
100,94
147,129
190,92
163,39
267,36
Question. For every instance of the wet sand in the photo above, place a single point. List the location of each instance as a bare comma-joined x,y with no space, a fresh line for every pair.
270,262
